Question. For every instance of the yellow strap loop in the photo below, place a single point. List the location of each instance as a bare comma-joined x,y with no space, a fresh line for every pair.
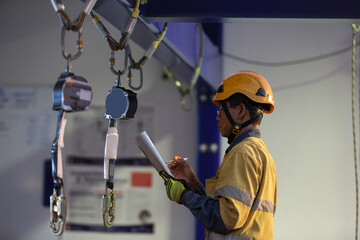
189,91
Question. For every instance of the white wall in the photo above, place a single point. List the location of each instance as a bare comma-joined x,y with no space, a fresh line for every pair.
310,133
31,57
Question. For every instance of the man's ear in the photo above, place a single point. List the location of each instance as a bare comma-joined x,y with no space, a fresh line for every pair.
241,109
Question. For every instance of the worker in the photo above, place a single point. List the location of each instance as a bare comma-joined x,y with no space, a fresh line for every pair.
240,200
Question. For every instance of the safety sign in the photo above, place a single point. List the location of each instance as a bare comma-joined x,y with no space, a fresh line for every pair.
135,203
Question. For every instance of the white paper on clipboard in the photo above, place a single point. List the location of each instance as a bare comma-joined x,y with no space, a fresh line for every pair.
147,147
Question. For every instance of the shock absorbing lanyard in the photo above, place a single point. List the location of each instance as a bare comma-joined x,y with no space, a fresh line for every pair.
120,103
71,94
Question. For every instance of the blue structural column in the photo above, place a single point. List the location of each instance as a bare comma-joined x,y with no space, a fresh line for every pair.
208,140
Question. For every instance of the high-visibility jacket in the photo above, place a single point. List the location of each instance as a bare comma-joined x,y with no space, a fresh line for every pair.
245,185
239,202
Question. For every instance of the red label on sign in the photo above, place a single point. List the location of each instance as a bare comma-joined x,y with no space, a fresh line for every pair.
141,179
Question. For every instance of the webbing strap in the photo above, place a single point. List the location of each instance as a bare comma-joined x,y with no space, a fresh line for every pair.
236,126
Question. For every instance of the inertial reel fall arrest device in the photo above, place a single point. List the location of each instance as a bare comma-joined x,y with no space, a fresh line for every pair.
71,93
120,104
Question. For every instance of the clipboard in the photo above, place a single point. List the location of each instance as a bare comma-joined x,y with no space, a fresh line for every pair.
148,148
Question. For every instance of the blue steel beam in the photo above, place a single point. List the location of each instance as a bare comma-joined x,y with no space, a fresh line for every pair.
231,10
208,152
179,49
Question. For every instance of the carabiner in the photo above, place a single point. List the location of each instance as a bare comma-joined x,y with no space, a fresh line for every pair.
130,79
112,62
108,208
57,212
187,105
68,56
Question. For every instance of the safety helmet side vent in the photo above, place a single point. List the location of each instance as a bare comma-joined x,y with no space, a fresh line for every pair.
249,83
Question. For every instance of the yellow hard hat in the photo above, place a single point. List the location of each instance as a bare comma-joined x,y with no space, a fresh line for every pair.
249,83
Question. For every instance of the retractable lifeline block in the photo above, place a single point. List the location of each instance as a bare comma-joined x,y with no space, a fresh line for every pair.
71,94
120,104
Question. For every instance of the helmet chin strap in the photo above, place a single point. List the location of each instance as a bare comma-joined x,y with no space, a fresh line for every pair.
236,127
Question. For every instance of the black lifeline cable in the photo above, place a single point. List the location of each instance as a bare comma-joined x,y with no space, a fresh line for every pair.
355,30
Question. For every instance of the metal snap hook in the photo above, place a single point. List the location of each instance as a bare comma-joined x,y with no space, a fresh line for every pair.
108,208
57,212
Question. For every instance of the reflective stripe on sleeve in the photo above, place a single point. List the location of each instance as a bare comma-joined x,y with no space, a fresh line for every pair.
236,193
263,206
215,236
246,198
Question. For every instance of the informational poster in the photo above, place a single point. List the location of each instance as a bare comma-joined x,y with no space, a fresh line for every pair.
136,182
88,131
27,124
134,189
27,130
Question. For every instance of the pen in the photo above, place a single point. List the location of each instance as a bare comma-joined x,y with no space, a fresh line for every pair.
169,162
